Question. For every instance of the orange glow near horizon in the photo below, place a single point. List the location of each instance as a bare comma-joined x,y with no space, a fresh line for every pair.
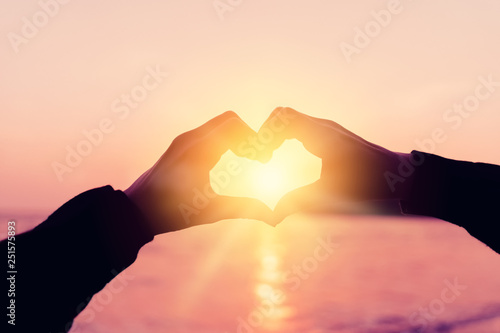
291,166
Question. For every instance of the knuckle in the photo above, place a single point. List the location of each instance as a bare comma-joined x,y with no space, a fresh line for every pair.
178,140
276,111
229,114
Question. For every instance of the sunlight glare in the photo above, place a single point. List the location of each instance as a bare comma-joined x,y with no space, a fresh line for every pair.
291,166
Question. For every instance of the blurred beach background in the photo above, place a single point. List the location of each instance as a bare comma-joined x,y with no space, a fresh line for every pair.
92,93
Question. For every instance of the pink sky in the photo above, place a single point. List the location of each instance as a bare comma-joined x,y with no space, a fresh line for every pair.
65,78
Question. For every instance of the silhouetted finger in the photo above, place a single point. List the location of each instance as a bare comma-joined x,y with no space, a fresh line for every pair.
231,134
316,134
208,142
307,198
201,131
185,141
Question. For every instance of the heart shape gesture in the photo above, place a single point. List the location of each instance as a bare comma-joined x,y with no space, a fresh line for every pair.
178,191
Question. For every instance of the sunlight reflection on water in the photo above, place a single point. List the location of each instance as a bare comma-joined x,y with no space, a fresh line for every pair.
269,287
210,279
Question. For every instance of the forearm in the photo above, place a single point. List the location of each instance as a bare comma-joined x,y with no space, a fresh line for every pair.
463,193
68,258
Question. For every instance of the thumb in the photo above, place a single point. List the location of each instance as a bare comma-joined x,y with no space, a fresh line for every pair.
306,198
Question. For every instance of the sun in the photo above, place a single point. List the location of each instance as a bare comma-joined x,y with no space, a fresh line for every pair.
291,166
269,179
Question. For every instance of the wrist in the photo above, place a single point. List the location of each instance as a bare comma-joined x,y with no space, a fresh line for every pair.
403,175
143,205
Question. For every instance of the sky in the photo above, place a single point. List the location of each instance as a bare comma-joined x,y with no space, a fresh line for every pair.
402,74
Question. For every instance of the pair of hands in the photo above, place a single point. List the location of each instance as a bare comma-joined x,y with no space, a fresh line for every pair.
176,193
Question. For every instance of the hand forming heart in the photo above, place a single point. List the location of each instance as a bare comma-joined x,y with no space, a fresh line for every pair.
176,192
353,169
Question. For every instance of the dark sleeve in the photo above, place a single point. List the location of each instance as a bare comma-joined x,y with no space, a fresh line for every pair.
68,258
464,193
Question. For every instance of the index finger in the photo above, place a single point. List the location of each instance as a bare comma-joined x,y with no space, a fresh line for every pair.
213,139
286,123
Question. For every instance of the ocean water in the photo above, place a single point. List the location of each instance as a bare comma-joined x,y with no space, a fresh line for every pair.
311,274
